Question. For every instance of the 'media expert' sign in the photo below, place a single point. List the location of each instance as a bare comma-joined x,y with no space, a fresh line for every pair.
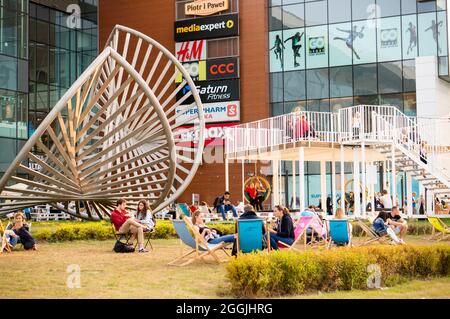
207,28
205,7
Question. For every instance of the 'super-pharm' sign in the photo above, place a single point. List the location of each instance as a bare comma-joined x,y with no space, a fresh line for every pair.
214,112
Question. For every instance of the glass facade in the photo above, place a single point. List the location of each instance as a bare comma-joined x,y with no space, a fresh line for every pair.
44,47
328,54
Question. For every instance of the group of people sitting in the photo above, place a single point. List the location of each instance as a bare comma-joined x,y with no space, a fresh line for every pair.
137,224
283,230
18,231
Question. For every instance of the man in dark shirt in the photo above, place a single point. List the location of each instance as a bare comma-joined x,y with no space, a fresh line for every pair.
394,221
223,204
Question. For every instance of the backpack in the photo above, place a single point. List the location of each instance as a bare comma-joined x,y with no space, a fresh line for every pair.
121,247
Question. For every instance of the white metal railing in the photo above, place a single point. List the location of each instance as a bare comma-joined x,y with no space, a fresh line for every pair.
279,130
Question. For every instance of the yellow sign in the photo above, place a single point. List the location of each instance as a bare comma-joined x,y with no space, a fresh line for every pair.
205,7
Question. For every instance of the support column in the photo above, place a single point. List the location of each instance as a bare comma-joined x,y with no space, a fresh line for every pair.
280,185
294,185
302,178
323,185
356,186
409,202
429,202
333,186
243,181
384,185
275,183
393,177
342,179
227,175
364,175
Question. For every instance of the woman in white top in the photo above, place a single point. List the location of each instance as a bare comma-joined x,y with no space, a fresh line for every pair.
144,215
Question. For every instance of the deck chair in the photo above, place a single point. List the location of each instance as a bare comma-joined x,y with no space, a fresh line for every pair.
440,230
184,209
5,244
317,228
339,232
200,248
300,231
126,237
250,235
372,235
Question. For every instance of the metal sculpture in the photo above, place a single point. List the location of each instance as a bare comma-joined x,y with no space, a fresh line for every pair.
116,133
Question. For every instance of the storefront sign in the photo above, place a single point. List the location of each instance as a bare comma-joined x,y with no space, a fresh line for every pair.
191,51
214,135
214,91
206,7
227,68
196,69
207,28
214,112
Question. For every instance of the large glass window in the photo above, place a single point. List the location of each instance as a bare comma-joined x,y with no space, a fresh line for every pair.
341,81
409,6
428,34
363,9
8,73
317,47
339,10
409,76
409,32
293,16
341,42
276,51
294,86
389,39
362,41
276,86
316,13
275,20
294,52
365,79
390,77
389,8
317,83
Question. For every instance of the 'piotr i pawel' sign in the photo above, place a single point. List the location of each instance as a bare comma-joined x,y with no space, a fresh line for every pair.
206,7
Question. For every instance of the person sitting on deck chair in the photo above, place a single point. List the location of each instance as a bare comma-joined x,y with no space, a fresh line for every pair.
284,230
125,222
212,236
390,223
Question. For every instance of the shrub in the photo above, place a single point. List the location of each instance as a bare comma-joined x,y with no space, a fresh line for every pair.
288,273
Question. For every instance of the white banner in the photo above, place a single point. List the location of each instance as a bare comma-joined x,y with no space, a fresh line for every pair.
214,112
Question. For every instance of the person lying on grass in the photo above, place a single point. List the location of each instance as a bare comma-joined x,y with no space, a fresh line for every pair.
125,223
211,235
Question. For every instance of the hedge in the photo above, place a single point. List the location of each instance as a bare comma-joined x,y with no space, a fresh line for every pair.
72,230
284,273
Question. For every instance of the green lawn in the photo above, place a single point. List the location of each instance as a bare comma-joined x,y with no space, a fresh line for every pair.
104,274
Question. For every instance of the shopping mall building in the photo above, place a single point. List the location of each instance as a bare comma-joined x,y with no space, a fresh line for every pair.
251,59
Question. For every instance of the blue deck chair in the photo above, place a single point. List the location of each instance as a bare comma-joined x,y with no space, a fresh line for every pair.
184,209
250,235
199,245
339,232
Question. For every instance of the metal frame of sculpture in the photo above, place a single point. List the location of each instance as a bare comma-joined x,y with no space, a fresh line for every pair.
116,133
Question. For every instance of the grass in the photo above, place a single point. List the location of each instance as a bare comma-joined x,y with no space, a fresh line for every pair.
104,274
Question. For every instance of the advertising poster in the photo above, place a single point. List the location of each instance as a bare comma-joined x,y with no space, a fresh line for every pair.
214,112
361,40
294,52
340,44
409,35
317,47
276,51
220,26
429,30
389,39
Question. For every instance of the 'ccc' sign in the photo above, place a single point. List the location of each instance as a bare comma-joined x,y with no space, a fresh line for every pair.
227,68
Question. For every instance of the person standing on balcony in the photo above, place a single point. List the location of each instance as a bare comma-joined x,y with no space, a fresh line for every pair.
356,125
423,153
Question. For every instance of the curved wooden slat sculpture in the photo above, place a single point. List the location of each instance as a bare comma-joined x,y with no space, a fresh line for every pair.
116,133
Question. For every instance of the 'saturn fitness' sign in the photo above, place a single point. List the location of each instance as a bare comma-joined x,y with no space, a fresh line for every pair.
205,7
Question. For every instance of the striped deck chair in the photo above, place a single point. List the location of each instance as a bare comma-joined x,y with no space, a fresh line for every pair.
300,231
199,246
440,230
372,235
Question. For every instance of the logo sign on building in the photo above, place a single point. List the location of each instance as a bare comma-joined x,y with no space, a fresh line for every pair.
316,45
214,135
196,69
191,51
227,68
214,112
226,25
389,38
205,7
212,92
